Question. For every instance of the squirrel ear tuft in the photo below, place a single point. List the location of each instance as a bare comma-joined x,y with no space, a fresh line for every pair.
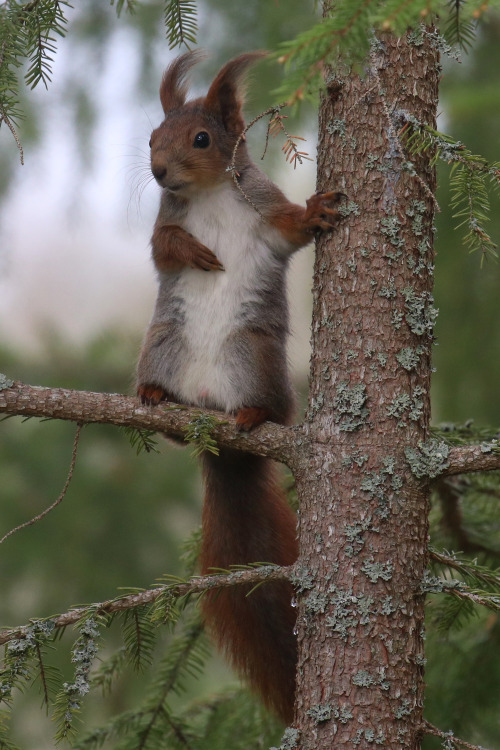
173,88
226,94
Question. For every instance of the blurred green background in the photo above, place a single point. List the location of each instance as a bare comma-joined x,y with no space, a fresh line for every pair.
76,290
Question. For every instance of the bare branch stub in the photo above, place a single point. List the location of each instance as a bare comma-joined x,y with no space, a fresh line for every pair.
471,458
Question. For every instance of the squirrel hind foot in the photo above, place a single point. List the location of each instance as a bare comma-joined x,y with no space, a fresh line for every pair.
249,417
151,394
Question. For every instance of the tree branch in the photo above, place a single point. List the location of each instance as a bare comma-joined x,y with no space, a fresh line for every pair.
193,586
85,407
448,737
467,458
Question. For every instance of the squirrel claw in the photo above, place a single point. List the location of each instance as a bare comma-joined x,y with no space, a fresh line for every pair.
249,417
151,394
206,260
321,216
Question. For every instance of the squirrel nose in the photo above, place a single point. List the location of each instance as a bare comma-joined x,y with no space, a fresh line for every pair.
159,171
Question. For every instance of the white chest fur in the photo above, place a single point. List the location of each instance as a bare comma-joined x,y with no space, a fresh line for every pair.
213,301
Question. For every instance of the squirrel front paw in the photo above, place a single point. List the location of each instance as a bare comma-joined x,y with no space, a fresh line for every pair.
151,394
175,249
320,212
201,257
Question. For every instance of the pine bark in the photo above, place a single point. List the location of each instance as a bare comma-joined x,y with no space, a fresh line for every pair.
363,515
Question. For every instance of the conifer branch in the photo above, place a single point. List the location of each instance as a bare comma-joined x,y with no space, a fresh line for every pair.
450,741
471,176
180,22
177,590
469,458
84,407
461,591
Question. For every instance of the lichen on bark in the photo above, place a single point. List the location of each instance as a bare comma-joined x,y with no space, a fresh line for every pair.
363,522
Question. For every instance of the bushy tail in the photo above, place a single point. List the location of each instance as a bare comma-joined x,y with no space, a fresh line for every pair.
246,519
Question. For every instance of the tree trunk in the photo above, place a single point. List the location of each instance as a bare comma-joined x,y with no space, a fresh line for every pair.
363,515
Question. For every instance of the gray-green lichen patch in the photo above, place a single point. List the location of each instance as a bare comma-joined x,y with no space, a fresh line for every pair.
349,403
362,678
351,208
381,485
302,579
429,459
397,318
343,714
371,161
422,263
352,265
404,407
389,291
343,616
316,602
404,709
409,357
492,447
356,457
374,570
390,228
337,127
320,713
290,739
388,606
420,311
5,382
416,211
369,736
434,585
354,534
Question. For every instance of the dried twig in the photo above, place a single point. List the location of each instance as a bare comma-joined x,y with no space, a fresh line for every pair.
274,127
59,499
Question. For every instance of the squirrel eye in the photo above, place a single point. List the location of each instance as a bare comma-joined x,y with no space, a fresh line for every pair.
201,140
150,143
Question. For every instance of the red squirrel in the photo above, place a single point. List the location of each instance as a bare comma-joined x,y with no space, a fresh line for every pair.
217,339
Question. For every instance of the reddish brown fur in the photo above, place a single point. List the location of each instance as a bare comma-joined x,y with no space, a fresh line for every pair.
298,224
174,248
151,394
225,96
246,519
250,417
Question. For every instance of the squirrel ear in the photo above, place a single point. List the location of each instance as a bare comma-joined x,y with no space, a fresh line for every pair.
173,88
225,96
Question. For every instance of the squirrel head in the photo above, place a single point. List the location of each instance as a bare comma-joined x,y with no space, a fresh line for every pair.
194,144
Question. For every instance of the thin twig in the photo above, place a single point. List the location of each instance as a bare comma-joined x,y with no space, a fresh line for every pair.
232,165
429,728
59,499
12,129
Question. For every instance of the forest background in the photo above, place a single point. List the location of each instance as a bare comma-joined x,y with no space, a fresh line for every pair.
76,292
